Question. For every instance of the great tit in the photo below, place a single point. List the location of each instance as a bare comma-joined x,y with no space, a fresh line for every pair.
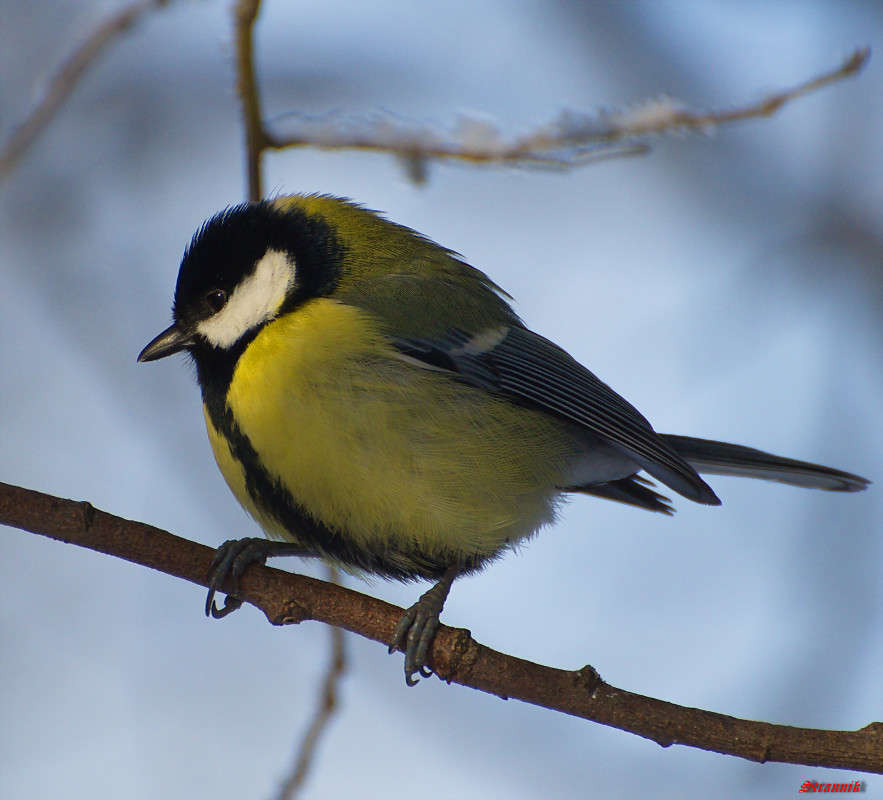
373,400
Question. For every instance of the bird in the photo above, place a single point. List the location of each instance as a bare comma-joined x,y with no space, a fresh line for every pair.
374,401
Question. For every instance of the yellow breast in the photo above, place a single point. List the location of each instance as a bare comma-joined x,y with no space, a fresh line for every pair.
387,453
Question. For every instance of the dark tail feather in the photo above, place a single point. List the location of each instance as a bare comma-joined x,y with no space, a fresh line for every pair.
634,491
719,458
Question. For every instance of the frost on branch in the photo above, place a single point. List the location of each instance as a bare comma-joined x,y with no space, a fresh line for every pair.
572,139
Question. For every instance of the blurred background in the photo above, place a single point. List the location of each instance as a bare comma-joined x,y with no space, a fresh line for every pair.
729,286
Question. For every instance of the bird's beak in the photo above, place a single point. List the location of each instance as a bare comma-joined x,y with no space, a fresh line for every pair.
172,340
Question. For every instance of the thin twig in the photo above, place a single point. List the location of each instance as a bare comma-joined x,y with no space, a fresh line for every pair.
771,104
324,711
65,80
571,140
245,15
286,598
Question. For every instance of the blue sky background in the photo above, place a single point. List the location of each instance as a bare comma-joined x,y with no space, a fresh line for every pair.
729,286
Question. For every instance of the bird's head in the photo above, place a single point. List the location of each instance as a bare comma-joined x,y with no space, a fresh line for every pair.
243,268
256,261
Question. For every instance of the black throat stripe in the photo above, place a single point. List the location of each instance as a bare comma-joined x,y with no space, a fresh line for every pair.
401,560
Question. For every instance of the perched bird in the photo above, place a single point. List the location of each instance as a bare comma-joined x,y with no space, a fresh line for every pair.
373,400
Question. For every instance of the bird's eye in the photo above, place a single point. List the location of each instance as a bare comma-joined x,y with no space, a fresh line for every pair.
216,299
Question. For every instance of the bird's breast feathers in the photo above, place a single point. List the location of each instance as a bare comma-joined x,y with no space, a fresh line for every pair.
384,450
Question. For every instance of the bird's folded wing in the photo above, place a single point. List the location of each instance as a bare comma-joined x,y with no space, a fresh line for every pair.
530,369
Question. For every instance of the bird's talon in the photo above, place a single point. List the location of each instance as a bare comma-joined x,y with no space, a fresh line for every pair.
210,603
414,635
416,629
230,561
231,603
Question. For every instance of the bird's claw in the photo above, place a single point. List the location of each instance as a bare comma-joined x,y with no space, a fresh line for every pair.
417,628
231,604
232,559
413,635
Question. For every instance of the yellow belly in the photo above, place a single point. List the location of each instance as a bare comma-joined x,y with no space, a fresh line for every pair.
391,455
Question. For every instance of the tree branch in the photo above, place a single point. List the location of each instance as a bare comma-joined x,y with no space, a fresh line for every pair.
571,140
245,14
286,598
65,80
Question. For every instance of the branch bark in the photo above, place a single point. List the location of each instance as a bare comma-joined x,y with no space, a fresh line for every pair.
571,140
245,15
286,598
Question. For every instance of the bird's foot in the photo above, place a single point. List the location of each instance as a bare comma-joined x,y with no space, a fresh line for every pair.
232,559
417,629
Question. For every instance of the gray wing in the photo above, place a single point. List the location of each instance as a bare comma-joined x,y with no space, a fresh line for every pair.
531,370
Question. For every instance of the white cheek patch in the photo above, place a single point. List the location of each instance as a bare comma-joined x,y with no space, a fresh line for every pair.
254,301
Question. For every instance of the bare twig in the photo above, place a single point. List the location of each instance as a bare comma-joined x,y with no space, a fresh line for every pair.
573,139
666,115
324,711
286,598
245,16
65,80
